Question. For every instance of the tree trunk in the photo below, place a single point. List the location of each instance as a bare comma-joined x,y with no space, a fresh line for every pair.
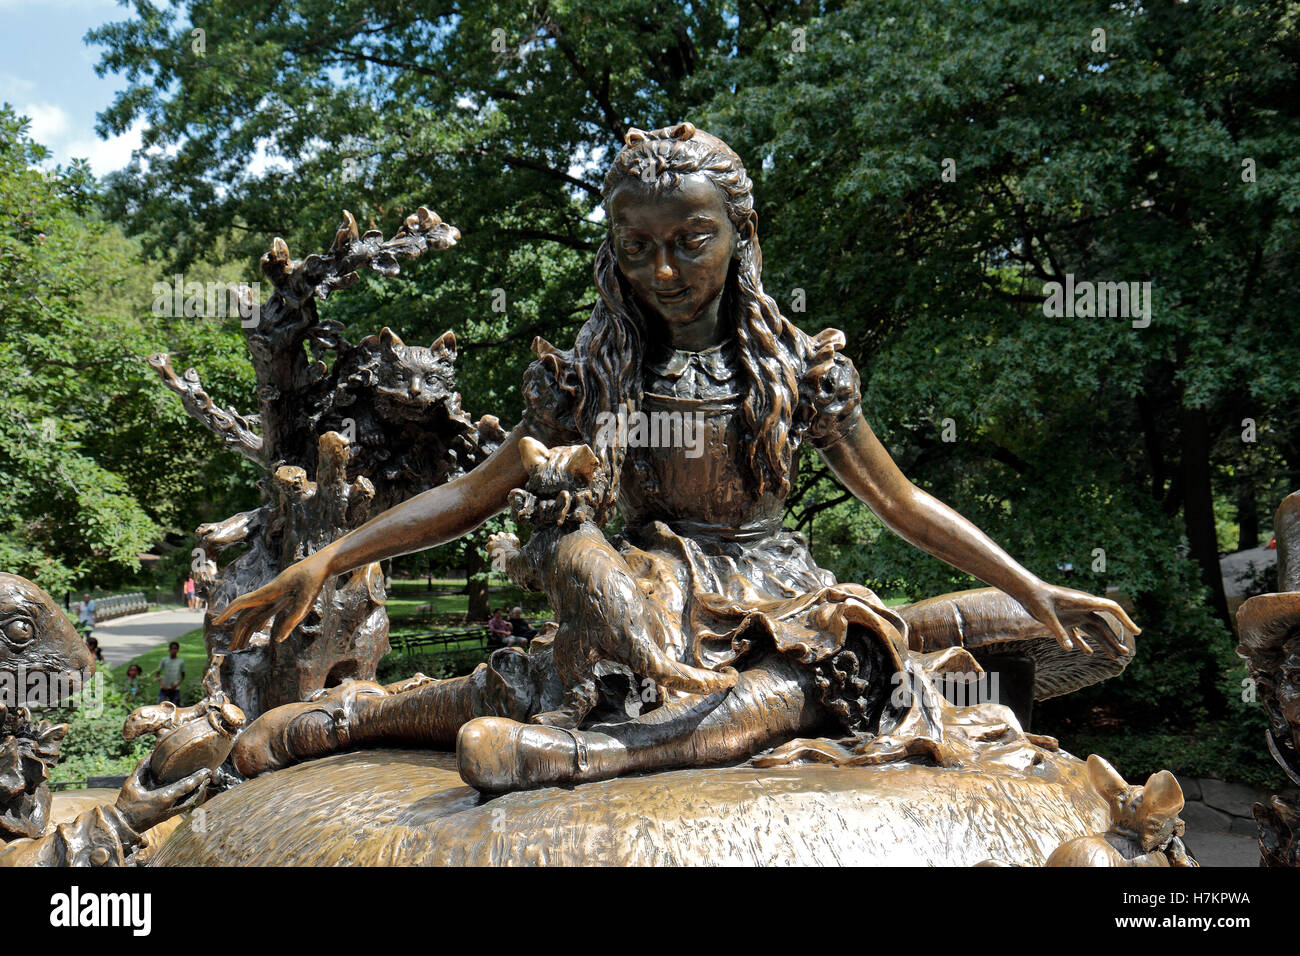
476,573
1247,514
1198,505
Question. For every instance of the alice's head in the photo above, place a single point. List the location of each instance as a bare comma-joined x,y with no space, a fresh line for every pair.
682,247
681,216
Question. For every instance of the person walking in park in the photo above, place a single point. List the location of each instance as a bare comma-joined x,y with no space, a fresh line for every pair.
191,600
170,673
86,613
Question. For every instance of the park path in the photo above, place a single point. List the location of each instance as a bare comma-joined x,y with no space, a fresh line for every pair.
126,638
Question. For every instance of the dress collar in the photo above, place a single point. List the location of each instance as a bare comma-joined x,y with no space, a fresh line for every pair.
673,363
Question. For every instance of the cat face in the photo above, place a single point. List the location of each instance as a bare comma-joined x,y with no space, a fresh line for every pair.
407,380
563,468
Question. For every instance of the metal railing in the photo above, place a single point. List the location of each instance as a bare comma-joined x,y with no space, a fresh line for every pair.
119,605
90,783
447,640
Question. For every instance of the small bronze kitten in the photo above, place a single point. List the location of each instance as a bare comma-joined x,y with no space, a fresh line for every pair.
601,611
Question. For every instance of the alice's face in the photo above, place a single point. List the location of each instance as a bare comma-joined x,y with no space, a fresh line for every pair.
674,247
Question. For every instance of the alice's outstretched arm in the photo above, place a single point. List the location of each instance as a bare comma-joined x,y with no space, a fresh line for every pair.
434,517
864,467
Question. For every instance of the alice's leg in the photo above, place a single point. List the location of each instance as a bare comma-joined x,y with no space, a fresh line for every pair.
428,715
772,702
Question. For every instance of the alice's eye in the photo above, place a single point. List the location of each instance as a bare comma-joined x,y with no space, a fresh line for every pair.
18,631
695,243
633,247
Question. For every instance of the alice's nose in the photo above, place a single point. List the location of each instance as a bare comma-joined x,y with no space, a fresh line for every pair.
665,268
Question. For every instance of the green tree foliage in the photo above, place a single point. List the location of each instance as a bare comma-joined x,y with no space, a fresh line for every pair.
1113,160
499,116
62,514
96,463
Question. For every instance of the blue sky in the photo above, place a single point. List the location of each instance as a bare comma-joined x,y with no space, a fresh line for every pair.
48,74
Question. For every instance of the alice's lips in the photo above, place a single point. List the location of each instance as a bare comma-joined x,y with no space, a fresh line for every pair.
672,295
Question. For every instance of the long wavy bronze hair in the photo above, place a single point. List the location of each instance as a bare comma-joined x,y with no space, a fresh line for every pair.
608,353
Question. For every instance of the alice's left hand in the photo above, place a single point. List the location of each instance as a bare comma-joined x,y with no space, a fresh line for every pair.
1073,616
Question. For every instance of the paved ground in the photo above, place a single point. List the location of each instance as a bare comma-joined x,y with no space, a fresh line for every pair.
129,637
1242,562
1224,849
1221,828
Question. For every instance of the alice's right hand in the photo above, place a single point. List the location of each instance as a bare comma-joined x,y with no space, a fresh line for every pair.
289,597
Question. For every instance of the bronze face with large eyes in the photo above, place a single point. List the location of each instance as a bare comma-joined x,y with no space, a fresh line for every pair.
36,637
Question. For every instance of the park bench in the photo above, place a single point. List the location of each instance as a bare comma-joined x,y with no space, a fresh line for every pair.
476,637
441,641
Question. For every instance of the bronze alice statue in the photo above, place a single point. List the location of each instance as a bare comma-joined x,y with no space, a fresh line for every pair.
704,632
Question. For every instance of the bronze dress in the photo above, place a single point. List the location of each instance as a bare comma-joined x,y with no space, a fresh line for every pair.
711,550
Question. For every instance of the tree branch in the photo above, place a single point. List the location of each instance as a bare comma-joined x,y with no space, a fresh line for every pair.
235,430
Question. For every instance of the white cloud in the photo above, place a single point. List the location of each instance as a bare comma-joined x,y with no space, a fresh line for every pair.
54,129
107,155
50,123
14,88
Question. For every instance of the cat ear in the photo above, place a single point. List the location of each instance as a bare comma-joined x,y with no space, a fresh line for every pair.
389,341
532,453
1162,796
1105,778
635,137
446,341
584,462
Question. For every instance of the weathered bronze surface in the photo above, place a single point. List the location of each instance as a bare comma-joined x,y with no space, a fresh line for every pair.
684,333
1268,627
400,807
569,558
379,423
67,805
